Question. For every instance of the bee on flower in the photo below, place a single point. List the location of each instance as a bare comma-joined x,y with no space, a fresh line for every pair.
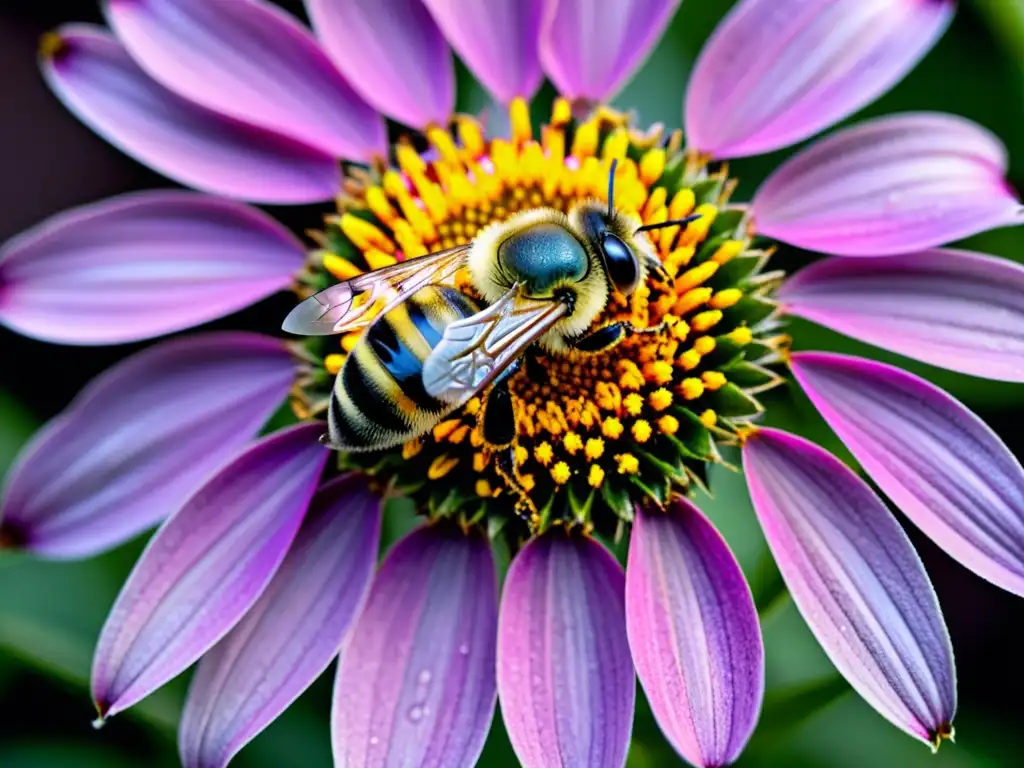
542,336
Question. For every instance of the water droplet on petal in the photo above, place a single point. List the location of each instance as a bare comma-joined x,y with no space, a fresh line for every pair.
374,741
415,713
464,649
424,677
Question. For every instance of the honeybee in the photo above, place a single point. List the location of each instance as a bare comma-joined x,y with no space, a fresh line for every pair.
544,277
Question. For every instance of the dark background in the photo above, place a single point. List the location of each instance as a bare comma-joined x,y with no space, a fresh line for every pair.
50,613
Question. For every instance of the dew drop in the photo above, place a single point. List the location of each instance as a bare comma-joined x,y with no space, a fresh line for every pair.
464,649
415,713
424,678
374,741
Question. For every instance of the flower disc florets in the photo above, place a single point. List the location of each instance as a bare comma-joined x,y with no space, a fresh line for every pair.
596,433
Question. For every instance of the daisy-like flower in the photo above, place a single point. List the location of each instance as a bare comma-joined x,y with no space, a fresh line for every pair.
266,560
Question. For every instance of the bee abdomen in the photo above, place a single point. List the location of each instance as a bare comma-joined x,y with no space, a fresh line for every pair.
379,399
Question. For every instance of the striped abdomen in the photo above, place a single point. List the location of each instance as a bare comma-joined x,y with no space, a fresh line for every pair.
379,399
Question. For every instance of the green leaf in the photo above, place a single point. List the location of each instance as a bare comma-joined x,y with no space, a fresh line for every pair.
786,709
732,402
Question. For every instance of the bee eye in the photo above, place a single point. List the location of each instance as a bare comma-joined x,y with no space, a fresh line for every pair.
621,263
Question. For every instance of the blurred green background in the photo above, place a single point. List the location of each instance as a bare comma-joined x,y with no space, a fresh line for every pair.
51,613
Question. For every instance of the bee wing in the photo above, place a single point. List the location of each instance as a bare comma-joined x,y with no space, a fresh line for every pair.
473,352
345,307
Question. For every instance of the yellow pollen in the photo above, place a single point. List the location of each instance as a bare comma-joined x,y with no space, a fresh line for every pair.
697,230
441,466
709,418
519,114
705,345
682,204
706,320
343,269
690,359
696,276
692,388
561,112
728,251
681,330
612,428
333,363
628,464
479,462
572,443
483,488
595,477
349,340
411,448
725,299
713,380
521,455
660,399
560,473
652,165
594,448
668,425
377,201
543,453
658,372
409,159
690,300
741,335
443,143
377,259
445,428
584,143
365,235
471,136
641,431
630,375
633,403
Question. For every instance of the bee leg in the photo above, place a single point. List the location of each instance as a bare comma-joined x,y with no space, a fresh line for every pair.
499,431
601,339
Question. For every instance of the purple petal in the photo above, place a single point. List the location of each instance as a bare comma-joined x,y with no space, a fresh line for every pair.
959,310
591,49
292,633
856,579
497,39
416,681
888,186
206,567
253,61
140,439
694,633
941,465
564,672
142,265
393,53
96,79
776,72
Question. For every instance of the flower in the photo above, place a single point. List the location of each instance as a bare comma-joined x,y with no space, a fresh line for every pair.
264,569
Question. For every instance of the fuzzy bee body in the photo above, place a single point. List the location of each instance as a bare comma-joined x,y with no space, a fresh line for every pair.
379,399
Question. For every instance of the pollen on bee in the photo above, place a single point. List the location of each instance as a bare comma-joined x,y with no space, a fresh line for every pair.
333,363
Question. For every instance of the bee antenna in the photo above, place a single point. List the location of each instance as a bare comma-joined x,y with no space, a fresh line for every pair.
672,223
611,186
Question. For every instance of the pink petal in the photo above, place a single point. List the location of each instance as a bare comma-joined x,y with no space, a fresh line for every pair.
590,49
137,441
96,79
892,185
956,309
292,633
694,634
393,54
776,72
416,683
565,678
497,40
206,567
948,472
250,60
856,579
142,265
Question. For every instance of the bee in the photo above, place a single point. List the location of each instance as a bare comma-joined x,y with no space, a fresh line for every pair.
543,276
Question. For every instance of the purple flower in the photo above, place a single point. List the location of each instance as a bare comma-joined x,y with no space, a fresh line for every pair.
265,566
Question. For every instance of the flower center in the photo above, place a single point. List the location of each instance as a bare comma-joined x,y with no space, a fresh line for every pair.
596,432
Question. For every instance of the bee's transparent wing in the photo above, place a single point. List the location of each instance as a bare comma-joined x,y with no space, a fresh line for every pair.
346,306
473,352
